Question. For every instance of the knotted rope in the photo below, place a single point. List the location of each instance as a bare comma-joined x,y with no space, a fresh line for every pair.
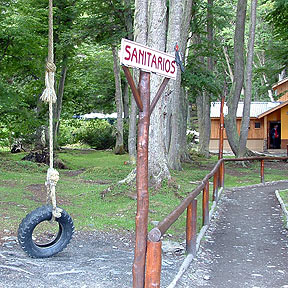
49,96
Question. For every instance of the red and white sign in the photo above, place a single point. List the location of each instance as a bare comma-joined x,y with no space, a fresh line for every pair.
136,55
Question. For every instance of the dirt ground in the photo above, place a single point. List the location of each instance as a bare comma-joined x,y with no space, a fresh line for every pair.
92,259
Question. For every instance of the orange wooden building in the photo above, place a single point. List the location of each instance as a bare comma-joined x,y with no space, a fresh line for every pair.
281,89
263,117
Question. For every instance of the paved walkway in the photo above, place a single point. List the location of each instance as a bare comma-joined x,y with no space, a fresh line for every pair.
246,245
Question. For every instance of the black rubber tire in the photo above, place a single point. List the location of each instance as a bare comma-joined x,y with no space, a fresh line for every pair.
28,224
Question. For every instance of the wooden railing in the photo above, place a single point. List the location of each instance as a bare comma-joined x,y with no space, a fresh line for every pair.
153,263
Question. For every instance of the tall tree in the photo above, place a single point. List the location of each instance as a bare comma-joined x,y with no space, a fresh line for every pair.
176,117
238,79
203,99
140,36
107,23
119,146
242,151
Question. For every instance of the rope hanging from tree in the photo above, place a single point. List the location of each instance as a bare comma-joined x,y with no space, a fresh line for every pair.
49,96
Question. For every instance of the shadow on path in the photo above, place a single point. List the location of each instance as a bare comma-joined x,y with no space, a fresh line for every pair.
246,244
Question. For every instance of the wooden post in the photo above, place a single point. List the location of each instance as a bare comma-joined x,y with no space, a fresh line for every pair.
142,183
205,205
221,130
215,186
222,169
221,142
153,264
191,228
262,172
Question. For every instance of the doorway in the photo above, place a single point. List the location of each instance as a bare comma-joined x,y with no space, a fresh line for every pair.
274,142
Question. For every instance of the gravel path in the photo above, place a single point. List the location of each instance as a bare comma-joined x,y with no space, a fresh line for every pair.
246,244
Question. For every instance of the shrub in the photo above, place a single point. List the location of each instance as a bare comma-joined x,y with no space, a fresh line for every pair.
68,131
97,133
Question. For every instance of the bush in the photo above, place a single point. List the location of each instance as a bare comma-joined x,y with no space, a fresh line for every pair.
68,131
97,133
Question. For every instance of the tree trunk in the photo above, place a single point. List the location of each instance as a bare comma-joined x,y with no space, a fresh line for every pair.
119,146
178,28
248,81
228,63
58,105
128,19
126,100
237,85
203,115
158,163
140,36
204,99
204,123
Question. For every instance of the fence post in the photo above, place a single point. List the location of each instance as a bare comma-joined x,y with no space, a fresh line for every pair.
215,186
205,205
153,264
262,172
191,228
221,175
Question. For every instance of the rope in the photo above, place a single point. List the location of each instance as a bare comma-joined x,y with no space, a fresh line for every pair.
49,96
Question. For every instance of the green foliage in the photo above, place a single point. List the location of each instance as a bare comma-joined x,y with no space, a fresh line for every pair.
104,21
277,17
98,134
90,82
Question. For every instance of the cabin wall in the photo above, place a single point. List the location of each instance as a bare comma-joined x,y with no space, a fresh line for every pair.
255,139
284,127
252,144
282,88
253,133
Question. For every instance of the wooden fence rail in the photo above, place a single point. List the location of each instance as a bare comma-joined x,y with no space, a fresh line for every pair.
153,265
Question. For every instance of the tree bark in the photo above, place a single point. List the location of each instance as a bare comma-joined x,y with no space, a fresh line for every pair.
58,104
248,83
140,36
158,162
176,114
228,64
126,100
237,85
204,99
119,146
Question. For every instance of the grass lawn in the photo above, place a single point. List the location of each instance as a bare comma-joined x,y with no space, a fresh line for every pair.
284,196
89,192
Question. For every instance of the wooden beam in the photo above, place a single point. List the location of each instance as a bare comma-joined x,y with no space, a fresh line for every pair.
133,88
159,93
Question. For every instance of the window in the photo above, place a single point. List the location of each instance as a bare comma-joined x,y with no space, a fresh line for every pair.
257,125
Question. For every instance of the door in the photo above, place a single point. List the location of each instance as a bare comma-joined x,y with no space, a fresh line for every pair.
274,137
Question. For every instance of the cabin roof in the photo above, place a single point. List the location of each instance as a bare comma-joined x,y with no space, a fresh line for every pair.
275,86
273,109
256,109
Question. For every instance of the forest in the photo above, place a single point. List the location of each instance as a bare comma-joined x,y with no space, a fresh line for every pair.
232,49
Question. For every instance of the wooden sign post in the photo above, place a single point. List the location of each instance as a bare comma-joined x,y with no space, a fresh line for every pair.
147,60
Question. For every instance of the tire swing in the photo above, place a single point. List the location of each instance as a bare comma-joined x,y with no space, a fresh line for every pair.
47,212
